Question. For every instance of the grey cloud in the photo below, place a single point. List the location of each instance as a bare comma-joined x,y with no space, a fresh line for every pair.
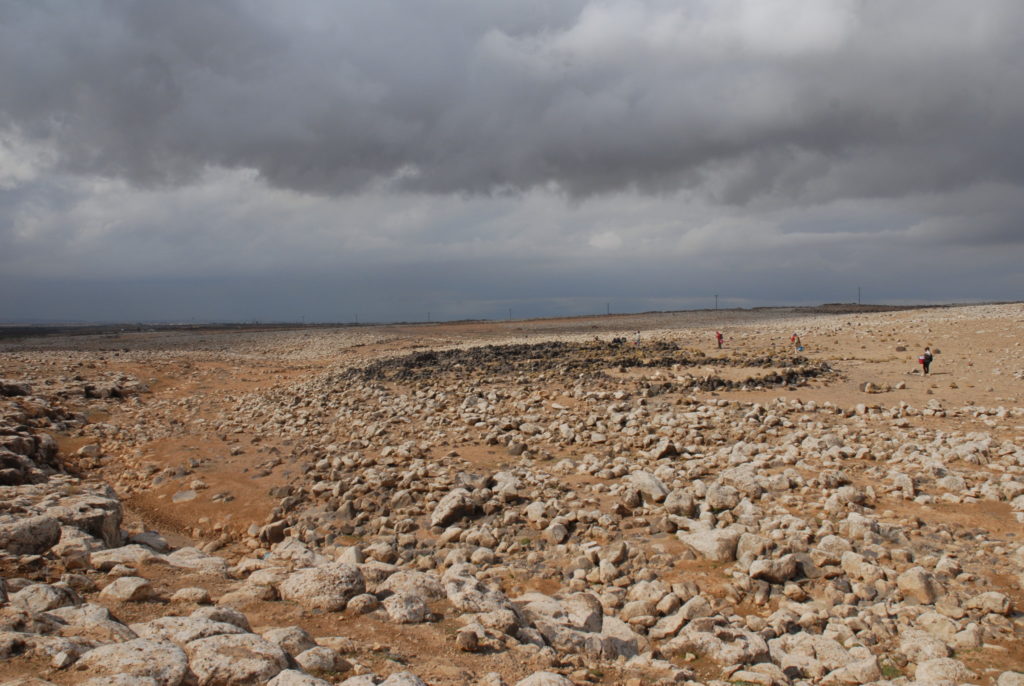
842,100
259,160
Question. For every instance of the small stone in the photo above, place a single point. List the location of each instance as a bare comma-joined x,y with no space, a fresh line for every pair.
291,639
405,608
556,533
184,496
191,594
467,640
322,659
293,677
128,589
362,604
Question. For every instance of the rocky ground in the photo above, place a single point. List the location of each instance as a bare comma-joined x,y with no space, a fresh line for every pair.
525,503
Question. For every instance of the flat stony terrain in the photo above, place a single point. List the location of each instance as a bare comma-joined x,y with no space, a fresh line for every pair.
526,503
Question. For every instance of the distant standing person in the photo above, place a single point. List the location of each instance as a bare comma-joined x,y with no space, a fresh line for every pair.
637,341
718,339
795,340
926,358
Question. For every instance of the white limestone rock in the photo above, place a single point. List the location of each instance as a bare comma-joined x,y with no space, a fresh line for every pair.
159,660
182,630
328,587
293,677
235,659
544,679
128,589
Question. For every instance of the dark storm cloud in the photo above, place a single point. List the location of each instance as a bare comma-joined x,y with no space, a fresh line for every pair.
264,160
744,101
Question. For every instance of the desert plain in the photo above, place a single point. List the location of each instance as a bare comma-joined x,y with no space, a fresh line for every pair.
596,500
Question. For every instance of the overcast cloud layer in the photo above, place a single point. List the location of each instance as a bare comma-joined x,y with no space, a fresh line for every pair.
327,160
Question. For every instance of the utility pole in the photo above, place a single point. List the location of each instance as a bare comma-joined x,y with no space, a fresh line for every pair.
858,295
716,302
510,314
608,308
428,316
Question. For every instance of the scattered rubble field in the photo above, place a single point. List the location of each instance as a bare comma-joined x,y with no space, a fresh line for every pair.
525,503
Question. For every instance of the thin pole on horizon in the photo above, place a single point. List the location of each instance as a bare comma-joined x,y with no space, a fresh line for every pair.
716,302
510,314
858,295
608,308
428,316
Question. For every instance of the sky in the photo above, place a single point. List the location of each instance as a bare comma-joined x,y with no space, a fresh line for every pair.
336,160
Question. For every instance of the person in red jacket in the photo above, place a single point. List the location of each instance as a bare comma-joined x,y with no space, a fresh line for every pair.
719,338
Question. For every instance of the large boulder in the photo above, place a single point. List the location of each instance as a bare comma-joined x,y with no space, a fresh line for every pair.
721,497
321,659
96,515
182,630
409,581
128,589
45,597
694,608
650,486
235,659
865,671
919,585
577,626
467,594
584,611
105,560
452,507
943,670
718,545
680,502
292,639
991,602
919,646
93,623
228,615
29,535
723,644
328,587
163,662
810,655
774,571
